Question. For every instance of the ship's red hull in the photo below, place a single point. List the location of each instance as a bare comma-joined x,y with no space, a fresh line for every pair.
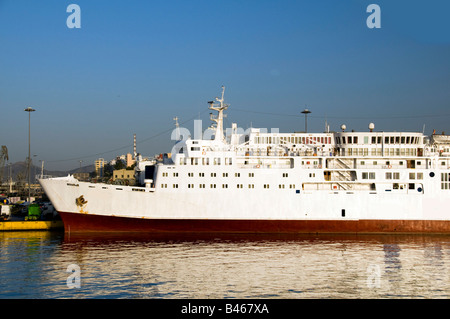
74,222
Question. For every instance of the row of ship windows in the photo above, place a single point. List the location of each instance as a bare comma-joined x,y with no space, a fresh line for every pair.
378,152
175,174
365,175
206,161
392,175
250,186
379,140
293,139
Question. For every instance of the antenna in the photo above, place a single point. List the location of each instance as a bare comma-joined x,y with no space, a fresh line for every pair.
306,112
219,118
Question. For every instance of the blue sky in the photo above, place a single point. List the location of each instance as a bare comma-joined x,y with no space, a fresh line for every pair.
134,65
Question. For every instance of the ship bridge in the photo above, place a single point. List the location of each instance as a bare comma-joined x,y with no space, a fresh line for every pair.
379,143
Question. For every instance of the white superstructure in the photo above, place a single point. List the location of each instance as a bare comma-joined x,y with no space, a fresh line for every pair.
288,182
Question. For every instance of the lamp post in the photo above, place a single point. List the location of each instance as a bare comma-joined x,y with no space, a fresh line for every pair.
306,112
29,110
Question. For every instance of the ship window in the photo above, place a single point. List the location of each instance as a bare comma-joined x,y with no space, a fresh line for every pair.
411,186
224,185
392,140
350,140
175,174
191,174
266,185
213,174
371,175
343,212
213,185
403,140
374,139
240,186
281,186
388,175
419,176
412,175
386,140
396,175
379,140
225,174
201,185
397,139
237,174
251,186
175,185
407,139
201,174
195,148
251,174
285,174
355,140
366,140
365,175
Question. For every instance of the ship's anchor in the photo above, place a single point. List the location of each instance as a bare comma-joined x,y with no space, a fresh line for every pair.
80,201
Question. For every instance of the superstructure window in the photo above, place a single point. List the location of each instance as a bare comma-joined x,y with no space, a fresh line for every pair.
445,181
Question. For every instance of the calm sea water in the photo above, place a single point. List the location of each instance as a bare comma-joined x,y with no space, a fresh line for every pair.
54,265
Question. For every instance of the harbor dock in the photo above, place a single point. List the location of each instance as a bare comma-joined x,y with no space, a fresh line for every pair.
31,225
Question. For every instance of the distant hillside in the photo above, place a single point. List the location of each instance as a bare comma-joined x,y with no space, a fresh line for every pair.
19,171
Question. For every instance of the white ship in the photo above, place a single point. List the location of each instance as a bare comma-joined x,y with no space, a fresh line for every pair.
256,181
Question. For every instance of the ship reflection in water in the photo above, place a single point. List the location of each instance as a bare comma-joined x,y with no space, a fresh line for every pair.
34,265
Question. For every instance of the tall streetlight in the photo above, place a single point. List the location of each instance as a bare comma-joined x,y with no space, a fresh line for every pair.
306,112
29,110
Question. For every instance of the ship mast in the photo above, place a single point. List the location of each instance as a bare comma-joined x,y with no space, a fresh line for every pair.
218,119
